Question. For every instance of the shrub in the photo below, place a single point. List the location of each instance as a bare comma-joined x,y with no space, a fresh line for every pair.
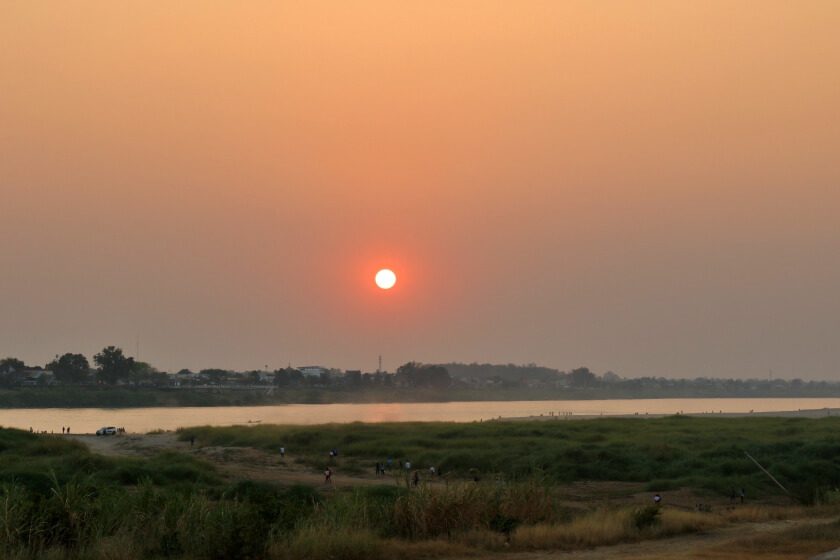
645,517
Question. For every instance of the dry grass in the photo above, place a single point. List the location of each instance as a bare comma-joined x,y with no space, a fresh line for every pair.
315,543
118,547
597,528
764,513
677,522
437,548
606,527
427,512
799,542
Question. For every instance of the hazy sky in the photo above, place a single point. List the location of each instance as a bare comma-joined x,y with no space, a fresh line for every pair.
648,187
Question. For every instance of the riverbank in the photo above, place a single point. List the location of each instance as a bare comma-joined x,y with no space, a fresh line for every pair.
800,413
501,490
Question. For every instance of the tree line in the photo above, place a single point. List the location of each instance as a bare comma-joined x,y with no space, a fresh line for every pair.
112,366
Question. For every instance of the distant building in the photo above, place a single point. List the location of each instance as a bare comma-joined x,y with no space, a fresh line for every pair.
313,371
34,377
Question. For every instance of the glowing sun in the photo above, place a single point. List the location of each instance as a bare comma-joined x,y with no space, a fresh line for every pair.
386,279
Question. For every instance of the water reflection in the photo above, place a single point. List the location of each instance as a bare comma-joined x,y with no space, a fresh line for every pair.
141,420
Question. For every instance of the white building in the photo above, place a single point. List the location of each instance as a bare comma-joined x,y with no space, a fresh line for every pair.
312,371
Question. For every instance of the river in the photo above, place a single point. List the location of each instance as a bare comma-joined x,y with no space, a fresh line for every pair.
142,420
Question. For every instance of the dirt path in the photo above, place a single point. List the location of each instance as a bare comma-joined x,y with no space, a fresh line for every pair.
236,462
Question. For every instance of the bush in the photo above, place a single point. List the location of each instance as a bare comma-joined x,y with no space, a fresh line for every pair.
646,517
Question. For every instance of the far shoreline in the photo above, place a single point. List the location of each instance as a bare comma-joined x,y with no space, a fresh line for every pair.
800,413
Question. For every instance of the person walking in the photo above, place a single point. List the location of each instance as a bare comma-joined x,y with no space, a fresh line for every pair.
415,480
282,452
328,476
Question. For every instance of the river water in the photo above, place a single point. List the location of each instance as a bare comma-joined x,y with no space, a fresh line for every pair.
142,420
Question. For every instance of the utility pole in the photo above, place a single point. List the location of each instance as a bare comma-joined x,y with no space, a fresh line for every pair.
379,369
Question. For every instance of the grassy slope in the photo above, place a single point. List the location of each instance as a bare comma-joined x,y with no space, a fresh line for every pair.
39,462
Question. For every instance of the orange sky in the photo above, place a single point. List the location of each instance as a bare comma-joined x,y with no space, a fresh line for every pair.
647,187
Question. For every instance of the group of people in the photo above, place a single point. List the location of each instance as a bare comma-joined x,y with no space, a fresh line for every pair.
63,430
741,494
380,468
734,497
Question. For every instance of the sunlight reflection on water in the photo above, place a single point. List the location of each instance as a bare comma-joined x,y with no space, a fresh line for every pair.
141,420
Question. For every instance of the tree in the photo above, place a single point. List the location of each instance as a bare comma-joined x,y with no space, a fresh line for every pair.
11,371
215,375
414,374
353,378
70,368
144,371
250,378
582,377
113,365
11,365
288,376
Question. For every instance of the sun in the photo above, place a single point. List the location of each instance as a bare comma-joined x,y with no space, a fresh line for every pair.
386,279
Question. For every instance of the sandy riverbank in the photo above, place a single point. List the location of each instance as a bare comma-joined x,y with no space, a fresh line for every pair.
802,413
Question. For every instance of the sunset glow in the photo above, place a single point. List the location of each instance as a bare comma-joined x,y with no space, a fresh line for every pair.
597,181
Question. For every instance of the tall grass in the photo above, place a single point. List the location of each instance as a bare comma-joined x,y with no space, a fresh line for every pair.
432,512
315,543
605,527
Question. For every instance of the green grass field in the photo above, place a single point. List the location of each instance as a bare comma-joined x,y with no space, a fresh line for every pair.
679,451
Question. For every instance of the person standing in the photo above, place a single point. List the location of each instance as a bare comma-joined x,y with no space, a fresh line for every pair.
282,452
328,476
